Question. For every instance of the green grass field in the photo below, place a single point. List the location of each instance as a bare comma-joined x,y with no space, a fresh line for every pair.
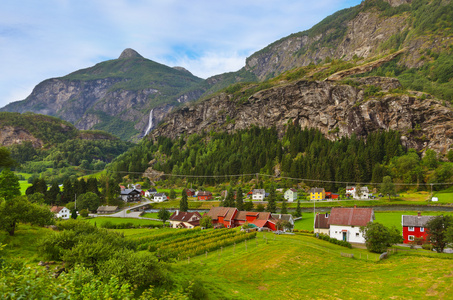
302,267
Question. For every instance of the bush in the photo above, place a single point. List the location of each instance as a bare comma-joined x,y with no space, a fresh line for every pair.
427,246
333,241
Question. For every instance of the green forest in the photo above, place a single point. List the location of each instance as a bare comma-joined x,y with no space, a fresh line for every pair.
300,154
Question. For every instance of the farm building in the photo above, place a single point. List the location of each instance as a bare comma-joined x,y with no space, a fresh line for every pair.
345,223
322,224
204,195
106,209
61,212
414,228
230,217
180,219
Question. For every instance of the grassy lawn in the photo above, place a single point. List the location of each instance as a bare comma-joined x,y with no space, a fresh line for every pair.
302,267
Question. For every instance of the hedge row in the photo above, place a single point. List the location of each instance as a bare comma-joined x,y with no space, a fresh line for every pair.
334,241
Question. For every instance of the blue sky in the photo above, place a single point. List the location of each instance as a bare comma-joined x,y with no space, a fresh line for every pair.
51,38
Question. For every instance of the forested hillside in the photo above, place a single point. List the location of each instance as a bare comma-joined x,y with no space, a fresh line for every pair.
300,154
54,149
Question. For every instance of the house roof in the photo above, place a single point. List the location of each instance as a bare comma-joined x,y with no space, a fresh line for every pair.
351,216
415,221
258,191
184,216
57,209
322,221
159,195
130,192
152,190
284,217
225,212
316,190
107,208
293,190
204,193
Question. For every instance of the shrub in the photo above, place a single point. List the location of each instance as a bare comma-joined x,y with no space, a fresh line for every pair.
427,246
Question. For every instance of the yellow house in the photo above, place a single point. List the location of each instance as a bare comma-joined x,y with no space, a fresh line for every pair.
317,194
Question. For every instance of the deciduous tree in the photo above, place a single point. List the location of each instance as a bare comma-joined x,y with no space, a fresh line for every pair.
206,222
379,237
437,229
9,185
164,215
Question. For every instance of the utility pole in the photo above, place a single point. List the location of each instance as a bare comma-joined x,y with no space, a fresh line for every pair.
75,202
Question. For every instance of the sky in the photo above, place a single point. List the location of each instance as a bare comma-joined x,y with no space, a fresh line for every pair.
52,38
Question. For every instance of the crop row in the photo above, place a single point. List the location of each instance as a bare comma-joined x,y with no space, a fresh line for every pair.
195,239
184,250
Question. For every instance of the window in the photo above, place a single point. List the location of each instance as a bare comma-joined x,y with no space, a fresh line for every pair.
411,228
410,238
422,229
357,234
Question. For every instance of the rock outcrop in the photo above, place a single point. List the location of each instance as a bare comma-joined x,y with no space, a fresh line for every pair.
335,109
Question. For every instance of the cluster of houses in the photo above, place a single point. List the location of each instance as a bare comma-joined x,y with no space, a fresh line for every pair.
230,217
344,224
357,193
134,193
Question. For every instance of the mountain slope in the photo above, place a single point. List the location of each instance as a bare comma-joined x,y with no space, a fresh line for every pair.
116,95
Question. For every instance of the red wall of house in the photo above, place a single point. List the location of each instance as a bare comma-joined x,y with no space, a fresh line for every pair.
204,197
416,233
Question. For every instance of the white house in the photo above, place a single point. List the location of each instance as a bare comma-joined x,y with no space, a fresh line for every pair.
150,192
181,219
363,194
160,197
258,194
290,195
61,212
345,223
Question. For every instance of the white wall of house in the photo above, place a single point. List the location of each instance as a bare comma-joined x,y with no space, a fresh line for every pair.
160,198
258,196
64,214
322,231
290,196
353,234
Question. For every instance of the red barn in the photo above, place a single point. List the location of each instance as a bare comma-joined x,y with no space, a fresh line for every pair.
190,192
223,215
204,195
414,227
230,217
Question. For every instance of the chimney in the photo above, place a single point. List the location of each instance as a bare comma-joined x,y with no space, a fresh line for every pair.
419,214
355,206
177,212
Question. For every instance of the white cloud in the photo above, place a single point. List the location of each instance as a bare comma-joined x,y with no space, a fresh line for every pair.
44,39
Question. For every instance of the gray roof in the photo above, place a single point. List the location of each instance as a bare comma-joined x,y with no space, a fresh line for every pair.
258,191
316,190
415,221
107,208
159,195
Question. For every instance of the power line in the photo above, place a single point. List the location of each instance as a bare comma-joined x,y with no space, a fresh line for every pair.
285,177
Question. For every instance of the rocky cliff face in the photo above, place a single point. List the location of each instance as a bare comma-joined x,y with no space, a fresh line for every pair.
361,33
10,135
335,109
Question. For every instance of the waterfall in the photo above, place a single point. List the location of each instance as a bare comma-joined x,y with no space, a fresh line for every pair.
150,124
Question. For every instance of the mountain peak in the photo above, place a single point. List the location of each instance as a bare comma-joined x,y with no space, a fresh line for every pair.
129,53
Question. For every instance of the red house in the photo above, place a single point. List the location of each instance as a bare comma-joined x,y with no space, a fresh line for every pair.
330,195
222,216
230,217
190,192
414,228
204,195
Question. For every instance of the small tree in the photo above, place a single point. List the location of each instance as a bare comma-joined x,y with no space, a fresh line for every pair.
388,187
260,207
206,222
437,229
271,205
164,215
9,185
74,214
239,199
284,210
298,213
183,203
248,206
229,199
89,201
172,195
379,237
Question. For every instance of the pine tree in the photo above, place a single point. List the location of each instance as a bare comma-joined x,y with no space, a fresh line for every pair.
298,210
229,200
183,204
284,210
271,205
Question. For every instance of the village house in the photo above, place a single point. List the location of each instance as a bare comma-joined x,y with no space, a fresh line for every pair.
61,212
414,228
130,195
204,195
150,192
330,195
290,195
359,194
180,219
106,209
317,194
160,197
190,192
321,225
230,217
283,217
258,194
345,223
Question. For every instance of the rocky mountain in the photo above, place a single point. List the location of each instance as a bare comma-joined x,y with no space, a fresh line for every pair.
116,96
374,27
